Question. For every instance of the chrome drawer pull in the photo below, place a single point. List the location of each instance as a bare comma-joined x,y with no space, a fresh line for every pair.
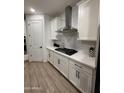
78,65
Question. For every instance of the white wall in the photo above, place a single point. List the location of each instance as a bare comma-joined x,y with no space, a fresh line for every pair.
75,16
47,35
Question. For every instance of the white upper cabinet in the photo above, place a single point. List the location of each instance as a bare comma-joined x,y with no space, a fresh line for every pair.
88,15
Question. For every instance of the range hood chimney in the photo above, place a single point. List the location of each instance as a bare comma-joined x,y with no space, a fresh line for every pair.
68,20
68,16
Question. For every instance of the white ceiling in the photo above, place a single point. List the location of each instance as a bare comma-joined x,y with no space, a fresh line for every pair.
49,7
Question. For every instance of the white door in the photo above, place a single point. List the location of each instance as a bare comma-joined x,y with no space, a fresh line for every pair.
35,30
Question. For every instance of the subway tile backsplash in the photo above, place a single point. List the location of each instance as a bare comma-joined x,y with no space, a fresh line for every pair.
70,41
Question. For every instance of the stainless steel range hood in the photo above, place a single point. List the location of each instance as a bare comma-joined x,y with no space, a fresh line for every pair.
68,19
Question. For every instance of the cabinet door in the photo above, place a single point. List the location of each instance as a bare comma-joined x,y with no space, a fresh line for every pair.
81,78
64,66
73,74
85,82
88,20
56,61
48,56
51,57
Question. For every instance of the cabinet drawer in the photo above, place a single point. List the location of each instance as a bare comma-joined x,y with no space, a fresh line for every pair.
81,66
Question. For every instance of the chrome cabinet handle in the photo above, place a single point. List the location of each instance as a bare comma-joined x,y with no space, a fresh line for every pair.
76,73
58,61
78,65
40,46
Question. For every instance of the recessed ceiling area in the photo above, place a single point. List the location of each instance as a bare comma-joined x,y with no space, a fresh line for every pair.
49,7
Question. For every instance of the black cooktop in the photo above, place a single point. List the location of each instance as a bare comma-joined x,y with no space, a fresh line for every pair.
66,51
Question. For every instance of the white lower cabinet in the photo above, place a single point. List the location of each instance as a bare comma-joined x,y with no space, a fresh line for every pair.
73,77
78,74
50,57
85,84
80,77
56,61
61,63
64,66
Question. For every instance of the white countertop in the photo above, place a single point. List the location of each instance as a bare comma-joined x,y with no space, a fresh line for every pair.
79,57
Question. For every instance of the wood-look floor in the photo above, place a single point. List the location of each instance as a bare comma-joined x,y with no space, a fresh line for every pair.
44,78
